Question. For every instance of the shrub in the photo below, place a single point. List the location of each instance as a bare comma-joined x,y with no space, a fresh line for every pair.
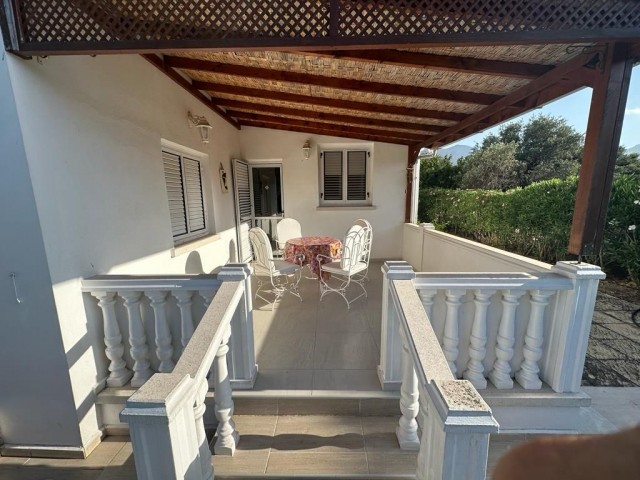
536,220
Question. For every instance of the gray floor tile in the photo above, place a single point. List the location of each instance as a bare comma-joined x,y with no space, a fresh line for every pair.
398,463
44,473
99,458
318,433
346,351
362,380
256,431
283,351
298,381
247,462
317,463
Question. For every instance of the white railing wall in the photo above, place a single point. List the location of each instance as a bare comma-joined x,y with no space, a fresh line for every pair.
165,415
149,319
456,422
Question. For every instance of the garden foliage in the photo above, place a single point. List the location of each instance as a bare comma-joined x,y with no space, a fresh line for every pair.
535,221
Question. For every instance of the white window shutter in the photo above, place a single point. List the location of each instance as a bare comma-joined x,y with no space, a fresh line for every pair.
332,181
194,197
175,192
357,175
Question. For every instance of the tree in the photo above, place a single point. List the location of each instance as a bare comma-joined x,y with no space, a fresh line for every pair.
627,163
439,172
492,168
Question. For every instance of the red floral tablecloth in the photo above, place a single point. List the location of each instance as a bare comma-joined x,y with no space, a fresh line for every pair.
310,247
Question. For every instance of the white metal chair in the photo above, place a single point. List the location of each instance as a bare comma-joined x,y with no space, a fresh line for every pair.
286,229
351,267
283,276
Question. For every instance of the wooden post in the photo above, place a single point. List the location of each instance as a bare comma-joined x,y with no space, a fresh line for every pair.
411,163
600,150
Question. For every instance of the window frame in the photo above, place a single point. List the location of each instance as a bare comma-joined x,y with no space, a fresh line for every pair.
345,149
202,160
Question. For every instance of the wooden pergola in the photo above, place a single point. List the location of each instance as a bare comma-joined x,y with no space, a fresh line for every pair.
416,73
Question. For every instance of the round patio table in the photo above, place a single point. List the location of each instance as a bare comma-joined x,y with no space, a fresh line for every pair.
310,247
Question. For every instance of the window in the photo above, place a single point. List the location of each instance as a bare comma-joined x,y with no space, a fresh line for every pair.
183,178
344,177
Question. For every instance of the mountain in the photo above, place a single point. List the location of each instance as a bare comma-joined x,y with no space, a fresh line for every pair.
635,149
456,152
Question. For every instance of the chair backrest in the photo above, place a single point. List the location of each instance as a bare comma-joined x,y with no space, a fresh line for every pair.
262,251
354,246
286,229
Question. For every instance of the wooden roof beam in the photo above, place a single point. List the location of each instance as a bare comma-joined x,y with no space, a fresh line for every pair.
188,86
331,82
327,131
324,116
422,113
562,73
429,61
256,117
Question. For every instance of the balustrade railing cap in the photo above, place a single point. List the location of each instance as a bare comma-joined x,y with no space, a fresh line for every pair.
398,270
578,270
234,272
428,226
159,399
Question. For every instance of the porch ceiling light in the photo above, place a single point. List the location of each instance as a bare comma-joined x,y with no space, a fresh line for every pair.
201,123
306,149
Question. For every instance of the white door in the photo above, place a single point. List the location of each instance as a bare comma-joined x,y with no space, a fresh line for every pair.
267,197
244,216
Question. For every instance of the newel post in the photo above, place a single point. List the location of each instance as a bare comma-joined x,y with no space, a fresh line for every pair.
390,367
243,368
570,326
163,429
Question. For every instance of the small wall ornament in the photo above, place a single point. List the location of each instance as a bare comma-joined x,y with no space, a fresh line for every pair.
224,184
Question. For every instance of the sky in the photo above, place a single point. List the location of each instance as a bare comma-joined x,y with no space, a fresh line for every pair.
575,108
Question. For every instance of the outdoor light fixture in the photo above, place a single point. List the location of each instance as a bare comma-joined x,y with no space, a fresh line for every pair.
202,124
306,149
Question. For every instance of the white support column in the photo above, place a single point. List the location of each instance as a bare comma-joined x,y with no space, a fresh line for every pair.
164,348
186,316
119,373
137,339
163,430
478,341
201,435
227,435
455,439
500,376
243,369
570,326
427,296
207,296
390,368
451,338
527,376
407,430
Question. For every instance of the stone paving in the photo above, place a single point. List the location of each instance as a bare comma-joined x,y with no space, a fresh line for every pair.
613,354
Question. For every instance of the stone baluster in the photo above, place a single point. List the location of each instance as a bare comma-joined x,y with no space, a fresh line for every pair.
500,376
528,375
119,373
407,430
227,435
207,296
164,348
186,317
201,435
427,296
478,341
425,437
137,339
450,339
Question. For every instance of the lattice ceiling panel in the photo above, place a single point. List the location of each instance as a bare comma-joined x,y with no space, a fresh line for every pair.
244,22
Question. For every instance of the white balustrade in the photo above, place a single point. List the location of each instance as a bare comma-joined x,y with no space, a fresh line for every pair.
407,431
501,374
450,338
165,415
159,317
478,341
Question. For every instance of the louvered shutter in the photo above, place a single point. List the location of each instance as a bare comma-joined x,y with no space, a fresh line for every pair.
175,192
332,180
357,175
194,197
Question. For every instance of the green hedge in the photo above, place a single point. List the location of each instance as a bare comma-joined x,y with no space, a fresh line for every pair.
535,221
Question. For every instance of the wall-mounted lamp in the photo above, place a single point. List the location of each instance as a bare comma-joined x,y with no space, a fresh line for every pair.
202,125
306,149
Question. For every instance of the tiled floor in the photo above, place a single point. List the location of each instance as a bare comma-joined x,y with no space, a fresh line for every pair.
312,346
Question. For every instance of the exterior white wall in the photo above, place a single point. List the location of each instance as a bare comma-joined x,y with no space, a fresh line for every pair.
301,186
36,406
92,132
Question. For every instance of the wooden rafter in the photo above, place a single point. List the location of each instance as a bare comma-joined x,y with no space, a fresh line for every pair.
333,132
331,82
345,129
432,61
569,71
188,86
326,116
422,113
